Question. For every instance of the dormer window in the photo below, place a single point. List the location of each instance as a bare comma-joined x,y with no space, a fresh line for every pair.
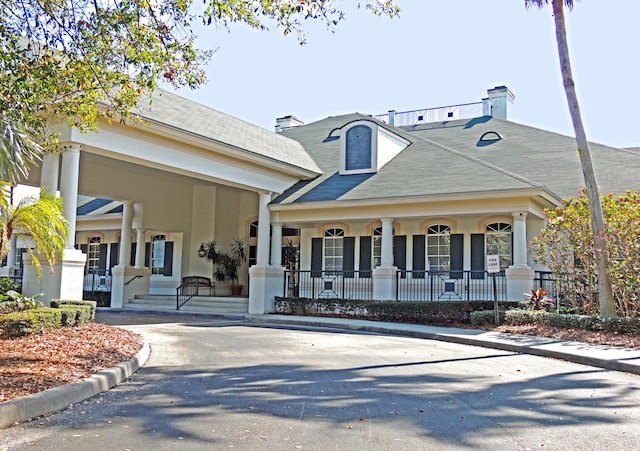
366,146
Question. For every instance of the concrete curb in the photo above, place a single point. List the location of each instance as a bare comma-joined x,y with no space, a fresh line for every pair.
54,399
607,357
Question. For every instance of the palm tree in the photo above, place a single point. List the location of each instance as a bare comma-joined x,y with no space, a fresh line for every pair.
39,219
18,150
605,294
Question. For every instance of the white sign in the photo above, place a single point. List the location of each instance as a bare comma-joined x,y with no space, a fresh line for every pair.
493,263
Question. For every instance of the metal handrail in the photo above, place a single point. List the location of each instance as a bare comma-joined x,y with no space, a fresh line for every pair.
184,293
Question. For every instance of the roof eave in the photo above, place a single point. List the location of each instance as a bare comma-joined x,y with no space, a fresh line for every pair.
540,192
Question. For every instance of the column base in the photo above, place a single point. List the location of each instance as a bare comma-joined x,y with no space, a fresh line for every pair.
265,283
65,281
519,282
384,283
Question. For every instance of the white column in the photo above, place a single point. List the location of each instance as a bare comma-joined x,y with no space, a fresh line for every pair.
140,247
520,239
265,282
69,188
276,244
13,251
264,223
519,275
49,172
125,234
386,257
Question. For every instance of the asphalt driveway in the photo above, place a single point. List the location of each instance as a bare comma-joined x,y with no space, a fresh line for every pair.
219,383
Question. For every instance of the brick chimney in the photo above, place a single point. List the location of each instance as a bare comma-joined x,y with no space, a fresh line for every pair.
287,122
496,104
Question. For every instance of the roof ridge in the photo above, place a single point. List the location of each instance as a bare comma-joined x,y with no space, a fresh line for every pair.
479,161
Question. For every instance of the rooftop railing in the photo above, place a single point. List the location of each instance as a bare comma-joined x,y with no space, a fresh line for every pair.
444,113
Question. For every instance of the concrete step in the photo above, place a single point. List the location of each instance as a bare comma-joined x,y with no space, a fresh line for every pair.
197,304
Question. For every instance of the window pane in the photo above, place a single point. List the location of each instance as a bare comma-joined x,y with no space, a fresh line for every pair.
332,253
438,247
157,254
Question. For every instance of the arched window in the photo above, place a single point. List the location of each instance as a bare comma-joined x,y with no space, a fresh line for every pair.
439,247
499,241
333,249
157,253
93,253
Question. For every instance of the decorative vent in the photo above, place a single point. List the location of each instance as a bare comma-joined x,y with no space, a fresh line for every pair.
488,138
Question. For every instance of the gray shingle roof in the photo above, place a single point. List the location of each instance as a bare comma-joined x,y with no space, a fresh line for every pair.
447,158
547,158
422,169
189,116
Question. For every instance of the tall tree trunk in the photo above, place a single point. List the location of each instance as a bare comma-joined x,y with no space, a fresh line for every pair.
605,295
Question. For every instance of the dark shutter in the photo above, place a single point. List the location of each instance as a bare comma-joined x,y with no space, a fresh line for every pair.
348,255
102,258
456,252
477,256
132,258
400,254
168,258
316,257
147,254
365,257
113,254
419,258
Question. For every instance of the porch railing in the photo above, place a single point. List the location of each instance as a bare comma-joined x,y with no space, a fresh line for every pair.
356,285
411,285
450,285
97,280
97,286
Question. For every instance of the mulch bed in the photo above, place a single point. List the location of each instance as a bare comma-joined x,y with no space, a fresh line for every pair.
38,362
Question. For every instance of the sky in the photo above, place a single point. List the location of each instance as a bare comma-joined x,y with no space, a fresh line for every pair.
437,53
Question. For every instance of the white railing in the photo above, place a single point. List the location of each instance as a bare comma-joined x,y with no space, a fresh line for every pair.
444,113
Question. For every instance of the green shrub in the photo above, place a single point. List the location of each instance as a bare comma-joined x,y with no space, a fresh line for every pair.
571,321
520,317
30,322
56,303
7,284
19,303
440,312
69,316
486,317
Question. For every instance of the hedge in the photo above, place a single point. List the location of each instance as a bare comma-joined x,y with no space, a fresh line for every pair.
416,312
443,312
56,303
30,322
34,321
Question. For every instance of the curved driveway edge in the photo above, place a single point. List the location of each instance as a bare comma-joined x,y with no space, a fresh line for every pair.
57,398
607,357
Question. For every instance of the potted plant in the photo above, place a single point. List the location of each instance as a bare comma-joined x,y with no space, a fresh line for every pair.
228,264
